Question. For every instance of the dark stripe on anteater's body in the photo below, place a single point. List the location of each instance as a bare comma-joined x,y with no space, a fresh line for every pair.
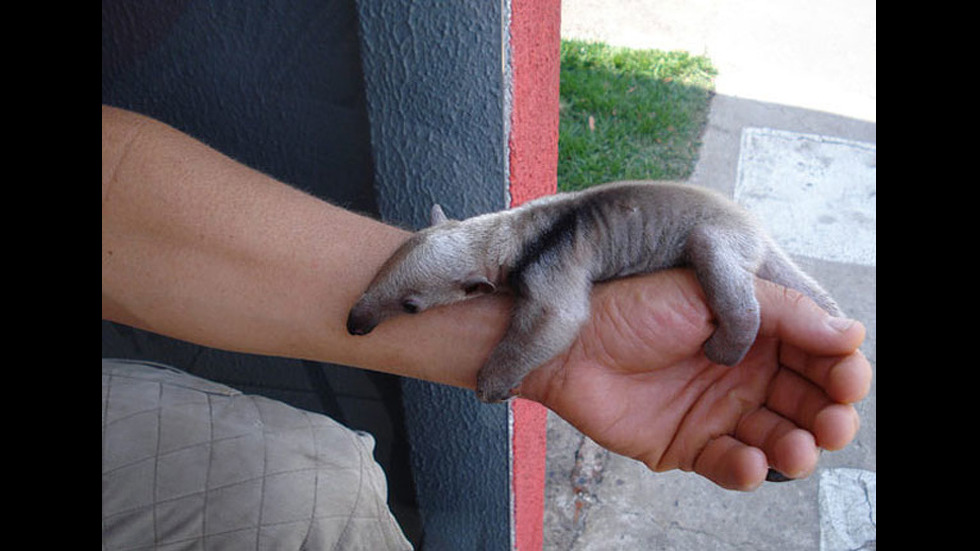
585,217
546,249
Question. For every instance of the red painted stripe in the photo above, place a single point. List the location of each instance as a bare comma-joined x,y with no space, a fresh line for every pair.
528,452
535,39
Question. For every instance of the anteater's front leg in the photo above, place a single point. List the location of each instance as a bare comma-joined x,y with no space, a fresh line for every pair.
546,319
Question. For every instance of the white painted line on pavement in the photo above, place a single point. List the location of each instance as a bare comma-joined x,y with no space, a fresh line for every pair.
848,510
815,194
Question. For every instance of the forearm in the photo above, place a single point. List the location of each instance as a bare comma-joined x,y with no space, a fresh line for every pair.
199,247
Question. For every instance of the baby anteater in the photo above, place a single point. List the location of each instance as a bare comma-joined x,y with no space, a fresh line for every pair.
550,251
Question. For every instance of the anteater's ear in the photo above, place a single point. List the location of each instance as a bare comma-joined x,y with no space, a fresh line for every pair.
478,285
436,216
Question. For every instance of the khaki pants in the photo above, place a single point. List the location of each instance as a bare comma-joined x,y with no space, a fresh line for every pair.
191,464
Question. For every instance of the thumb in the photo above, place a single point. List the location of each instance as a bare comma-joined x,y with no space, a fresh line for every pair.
793,318
822,348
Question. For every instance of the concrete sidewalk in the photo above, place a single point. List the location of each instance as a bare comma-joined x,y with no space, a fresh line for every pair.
792,136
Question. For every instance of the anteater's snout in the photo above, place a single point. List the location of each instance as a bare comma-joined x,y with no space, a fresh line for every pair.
360,323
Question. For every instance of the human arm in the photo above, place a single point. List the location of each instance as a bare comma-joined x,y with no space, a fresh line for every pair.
199,247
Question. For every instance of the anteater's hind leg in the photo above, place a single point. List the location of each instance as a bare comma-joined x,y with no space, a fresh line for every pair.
725,262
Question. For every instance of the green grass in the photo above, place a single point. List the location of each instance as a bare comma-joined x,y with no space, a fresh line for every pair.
629,114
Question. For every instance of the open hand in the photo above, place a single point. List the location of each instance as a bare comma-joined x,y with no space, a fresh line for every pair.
638,383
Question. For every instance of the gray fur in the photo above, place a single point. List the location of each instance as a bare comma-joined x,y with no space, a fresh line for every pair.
549,252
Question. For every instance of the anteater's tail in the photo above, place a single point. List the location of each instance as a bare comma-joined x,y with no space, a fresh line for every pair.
779,268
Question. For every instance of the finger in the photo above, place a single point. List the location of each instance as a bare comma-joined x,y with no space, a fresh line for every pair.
788,448
796,398
732,464
836,426
795,319
798,401
845,379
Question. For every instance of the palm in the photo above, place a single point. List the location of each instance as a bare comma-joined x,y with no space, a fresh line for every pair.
665,404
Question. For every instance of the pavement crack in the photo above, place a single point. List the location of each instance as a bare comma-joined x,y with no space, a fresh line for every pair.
585,479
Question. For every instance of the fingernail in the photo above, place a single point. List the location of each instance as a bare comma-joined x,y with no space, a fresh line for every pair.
840,324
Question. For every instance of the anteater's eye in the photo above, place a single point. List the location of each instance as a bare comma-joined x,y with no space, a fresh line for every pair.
410,306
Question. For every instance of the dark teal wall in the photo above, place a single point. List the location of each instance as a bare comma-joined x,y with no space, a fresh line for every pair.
275,84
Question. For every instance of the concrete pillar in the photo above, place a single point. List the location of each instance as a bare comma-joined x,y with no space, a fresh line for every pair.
463,107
